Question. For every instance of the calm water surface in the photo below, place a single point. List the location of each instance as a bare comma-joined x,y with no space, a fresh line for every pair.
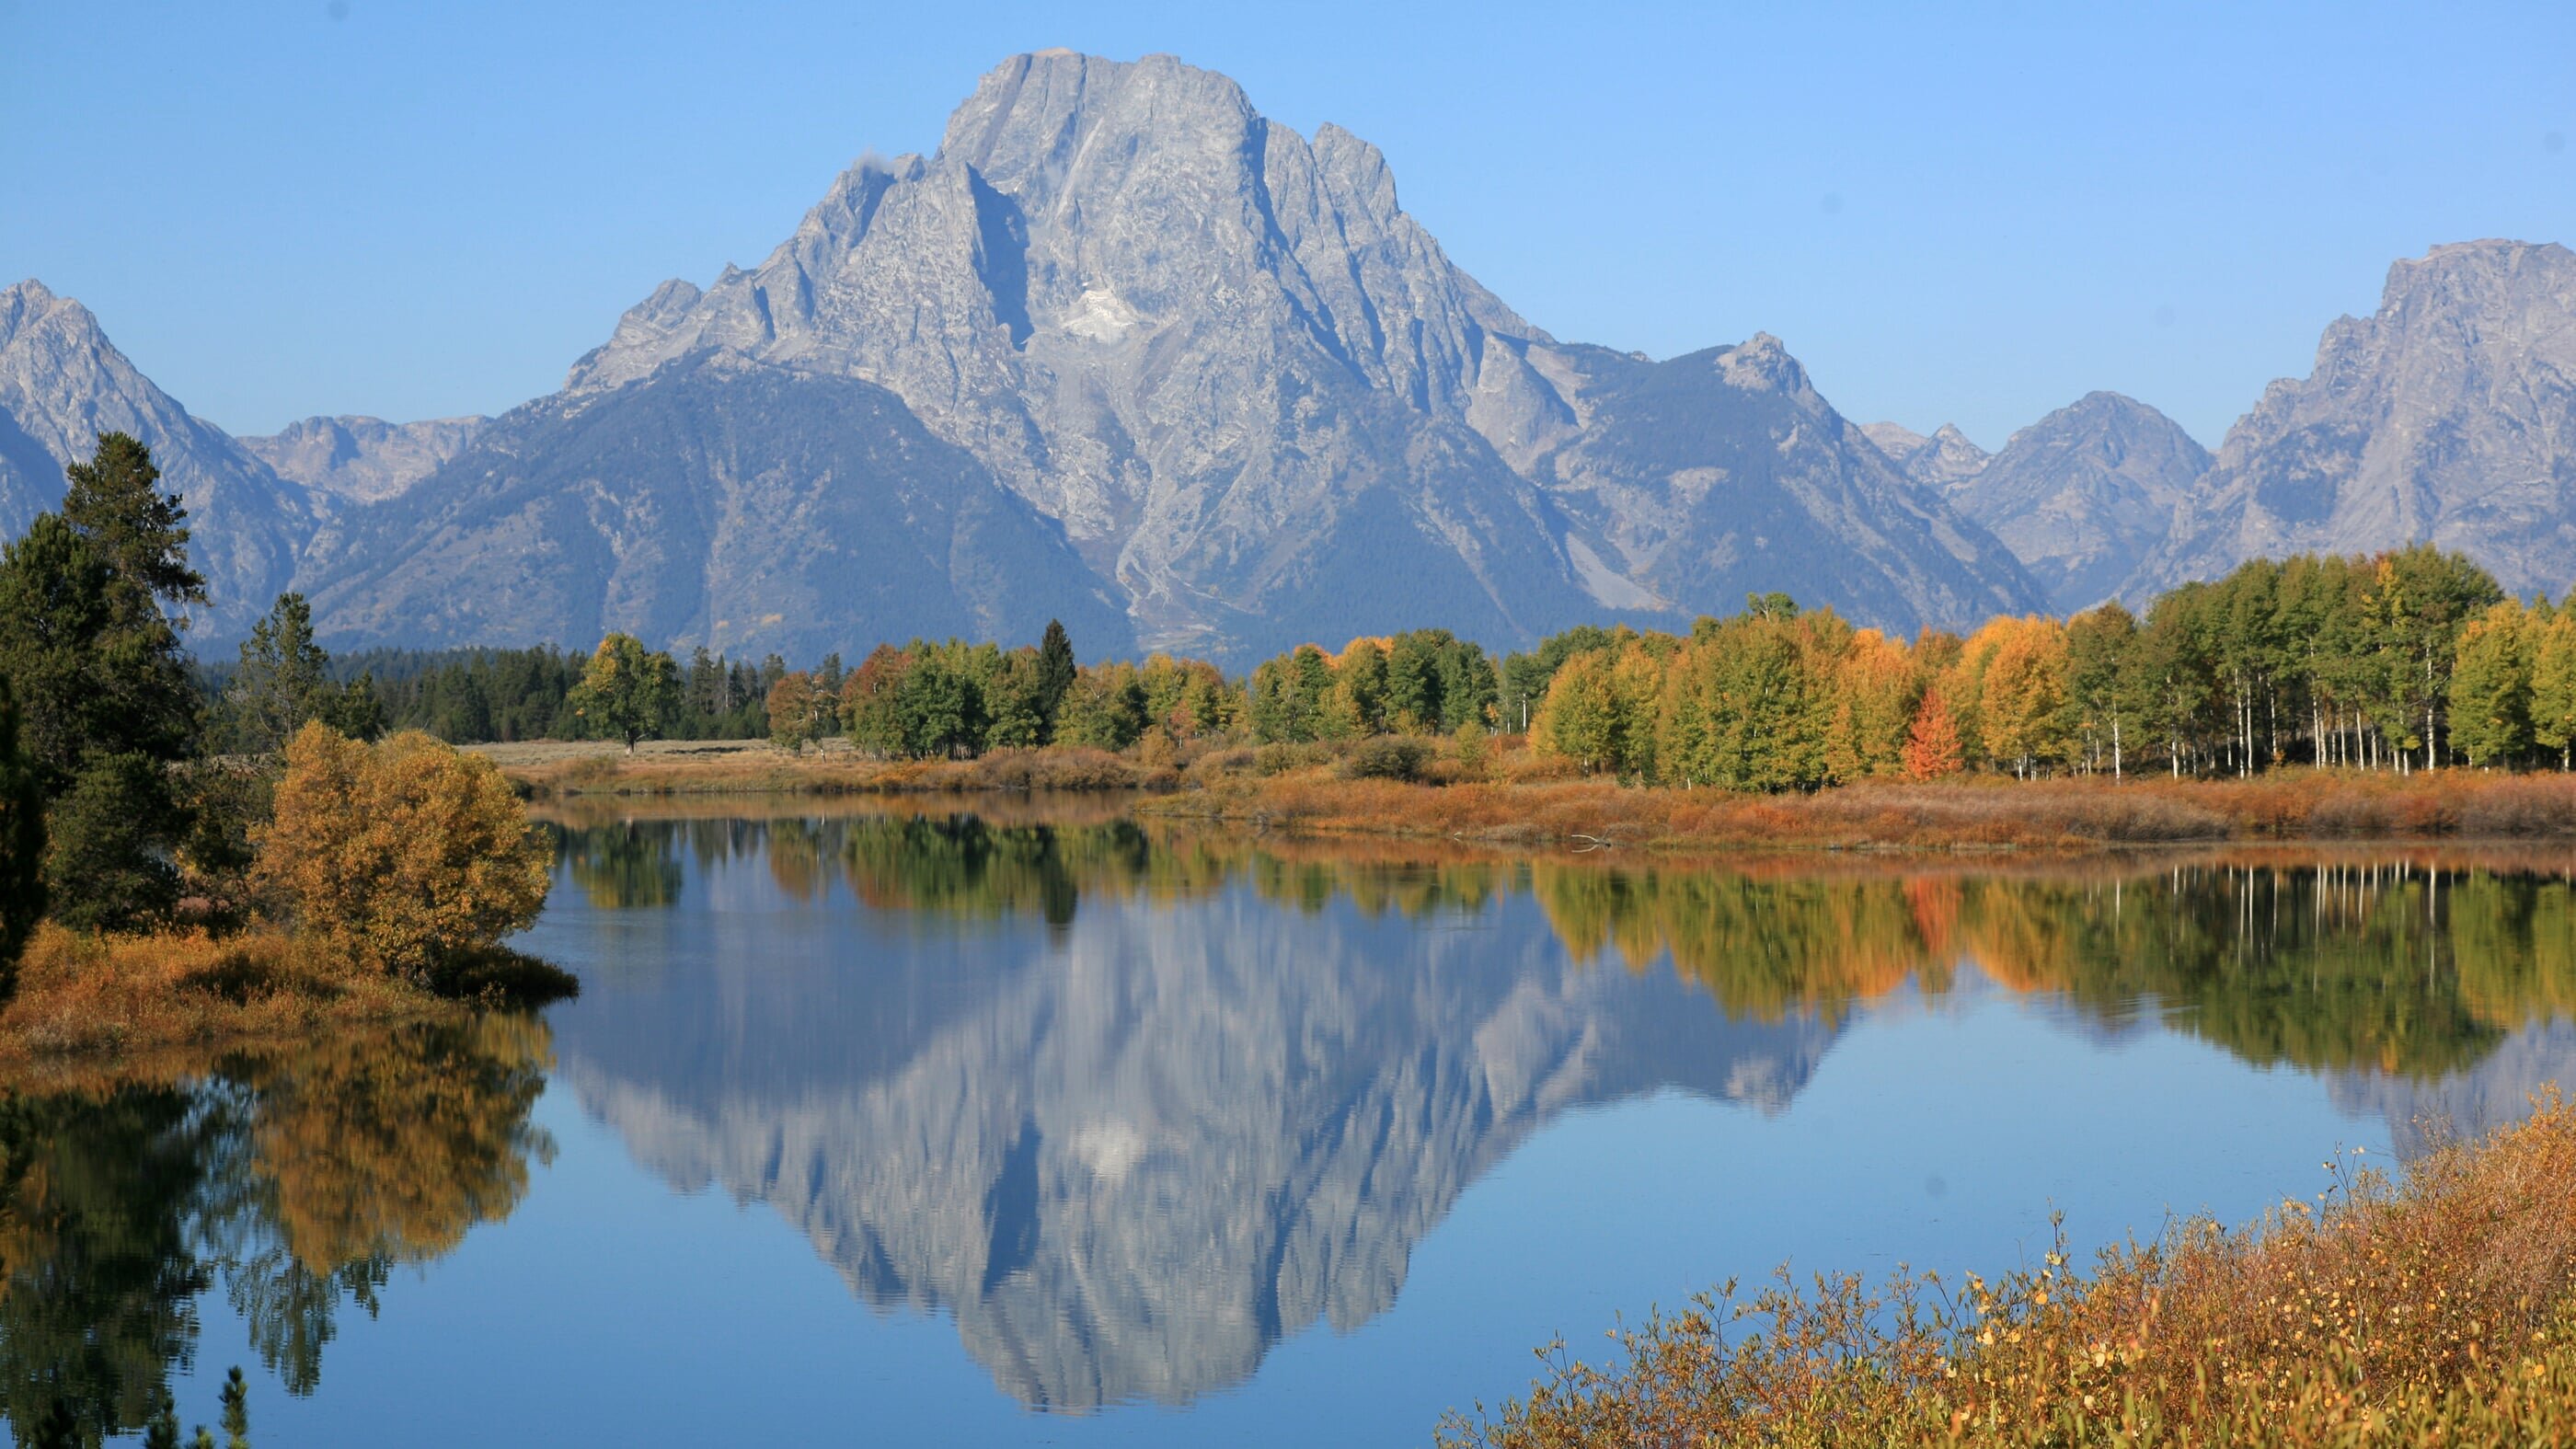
897,1129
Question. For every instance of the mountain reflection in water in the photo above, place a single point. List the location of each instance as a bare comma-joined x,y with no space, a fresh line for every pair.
1132,1105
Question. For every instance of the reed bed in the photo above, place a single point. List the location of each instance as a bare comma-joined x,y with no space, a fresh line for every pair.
2437,1310
85,1000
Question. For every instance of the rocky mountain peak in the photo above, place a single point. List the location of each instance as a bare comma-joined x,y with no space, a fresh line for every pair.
1940,462
362,458
62,383
2449,416
2084,493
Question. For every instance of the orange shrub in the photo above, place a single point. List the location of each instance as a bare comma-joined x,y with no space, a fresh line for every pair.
403,853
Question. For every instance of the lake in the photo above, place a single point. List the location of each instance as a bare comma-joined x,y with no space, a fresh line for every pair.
1040,1127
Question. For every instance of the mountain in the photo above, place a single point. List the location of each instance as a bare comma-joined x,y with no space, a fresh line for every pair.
1724,473
1936,462
62,383
1130,1150
366,459
744,506
2449,415
2083,495
1266,407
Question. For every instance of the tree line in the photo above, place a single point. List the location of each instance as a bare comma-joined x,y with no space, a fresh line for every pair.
2404,660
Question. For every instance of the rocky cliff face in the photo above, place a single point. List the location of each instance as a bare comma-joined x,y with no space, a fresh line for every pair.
366,459
1130,1161
2083,495
1724,473
1946,458
727,502
2448,415
62,383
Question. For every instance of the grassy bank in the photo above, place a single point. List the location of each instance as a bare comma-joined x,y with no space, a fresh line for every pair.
1970,812
1510,796
2442,1311
554,770
84,1000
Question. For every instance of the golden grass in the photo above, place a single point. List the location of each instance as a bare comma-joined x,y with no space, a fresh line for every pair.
735,768
88,1001
2439,1311
1969,812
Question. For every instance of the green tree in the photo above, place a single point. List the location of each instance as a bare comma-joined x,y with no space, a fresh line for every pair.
2491,686
91,676
627,691
108,839
283,680
1056,670
115,501
2101,685
1580,718
22,846
2553,684
236,1402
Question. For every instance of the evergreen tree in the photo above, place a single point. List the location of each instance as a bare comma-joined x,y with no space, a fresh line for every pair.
109,845
1056,670
283,680
236,1402
161,1431
115,501
22,846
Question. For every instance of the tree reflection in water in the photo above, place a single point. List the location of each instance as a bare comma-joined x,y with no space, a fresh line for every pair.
1129,1158
295,1179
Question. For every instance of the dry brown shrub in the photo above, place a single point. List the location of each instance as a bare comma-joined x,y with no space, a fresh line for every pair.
2442,1310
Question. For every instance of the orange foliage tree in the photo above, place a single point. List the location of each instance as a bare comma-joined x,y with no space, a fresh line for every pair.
1932,746
403,853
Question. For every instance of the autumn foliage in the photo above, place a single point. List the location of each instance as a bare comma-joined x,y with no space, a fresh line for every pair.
2440,1311
404,853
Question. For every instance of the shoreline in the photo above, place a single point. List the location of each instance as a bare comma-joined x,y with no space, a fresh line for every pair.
93,1009
1528,807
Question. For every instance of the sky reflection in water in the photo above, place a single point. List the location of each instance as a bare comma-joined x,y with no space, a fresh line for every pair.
901,1128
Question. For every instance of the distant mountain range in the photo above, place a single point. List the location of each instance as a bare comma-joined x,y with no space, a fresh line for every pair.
1124,351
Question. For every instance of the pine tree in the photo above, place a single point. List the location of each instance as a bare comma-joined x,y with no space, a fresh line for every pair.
22,846
161,1431
282,680
114,501
236,1402
1056,669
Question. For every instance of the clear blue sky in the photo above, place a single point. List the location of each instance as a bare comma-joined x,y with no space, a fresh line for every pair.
1949,213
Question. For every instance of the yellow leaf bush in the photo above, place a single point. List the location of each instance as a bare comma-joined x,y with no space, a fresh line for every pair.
403,853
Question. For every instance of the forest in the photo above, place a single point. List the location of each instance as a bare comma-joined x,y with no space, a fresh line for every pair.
2406,660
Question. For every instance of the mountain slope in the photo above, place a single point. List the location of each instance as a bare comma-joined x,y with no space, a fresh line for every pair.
62,383
2083,495
1945,458
1259,397
2448,415
740,505
366,459
1724,473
